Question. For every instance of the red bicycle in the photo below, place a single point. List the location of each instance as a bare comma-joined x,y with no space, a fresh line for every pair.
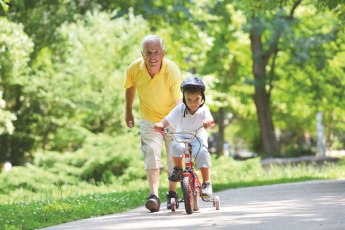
190,183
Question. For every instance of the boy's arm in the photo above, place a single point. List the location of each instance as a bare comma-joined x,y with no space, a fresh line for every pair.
162,124
208,121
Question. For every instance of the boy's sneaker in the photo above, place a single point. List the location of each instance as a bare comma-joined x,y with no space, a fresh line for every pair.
206,190
172,194
153,203
175,174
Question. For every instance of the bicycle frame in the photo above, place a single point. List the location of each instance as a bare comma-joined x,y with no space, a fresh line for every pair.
193,189
189,165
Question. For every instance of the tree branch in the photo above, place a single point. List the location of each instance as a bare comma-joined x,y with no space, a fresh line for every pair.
294,8
274,44
272,72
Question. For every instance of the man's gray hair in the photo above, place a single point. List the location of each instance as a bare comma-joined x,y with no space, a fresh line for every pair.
152,38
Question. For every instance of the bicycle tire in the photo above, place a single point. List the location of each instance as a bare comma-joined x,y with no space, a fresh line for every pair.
173,204
188,195
217,202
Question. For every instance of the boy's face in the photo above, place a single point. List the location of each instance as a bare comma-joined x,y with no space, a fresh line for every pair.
193,100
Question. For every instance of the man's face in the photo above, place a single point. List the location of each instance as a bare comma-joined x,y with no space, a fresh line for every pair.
193,100
153,54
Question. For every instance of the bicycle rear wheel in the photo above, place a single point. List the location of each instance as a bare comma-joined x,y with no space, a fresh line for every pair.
187,185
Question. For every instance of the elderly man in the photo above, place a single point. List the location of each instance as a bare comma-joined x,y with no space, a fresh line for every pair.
157,81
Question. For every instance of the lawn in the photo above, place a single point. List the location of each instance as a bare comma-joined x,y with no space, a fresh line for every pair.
65,202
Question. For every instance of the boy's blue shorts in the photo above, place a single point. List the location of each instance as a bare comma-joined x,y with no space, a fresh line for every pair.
199,152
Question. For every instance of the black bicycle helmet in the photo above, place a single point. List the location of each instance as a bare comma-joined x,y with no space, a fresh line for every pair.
193,82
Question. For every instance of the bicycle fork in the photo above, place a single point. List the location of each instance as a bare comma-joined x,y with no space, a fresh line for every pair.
189,166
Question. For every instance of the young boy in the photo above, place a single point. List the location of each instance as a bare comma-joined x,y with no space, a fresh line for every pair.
190,115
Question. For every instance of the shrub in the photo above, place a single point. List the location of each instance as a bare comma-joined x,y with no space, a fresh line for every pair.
101,157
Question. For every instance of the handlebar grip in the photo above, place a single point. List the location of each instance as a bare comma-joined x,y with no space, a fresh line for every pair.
157,130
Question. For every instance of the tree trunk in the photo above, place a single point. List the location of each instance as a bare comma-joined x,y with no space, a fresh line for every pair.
331,135
261,97
221,126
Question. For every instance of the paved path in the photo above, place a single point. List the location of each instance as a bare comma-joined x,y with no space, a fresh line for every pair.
300,205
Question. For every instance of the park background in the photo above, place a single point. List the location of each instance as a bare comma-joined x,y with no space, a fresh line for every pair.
270,66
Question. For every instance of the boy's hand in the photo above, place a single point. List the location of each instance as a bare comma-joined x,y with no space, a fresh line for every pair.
208,124
159,126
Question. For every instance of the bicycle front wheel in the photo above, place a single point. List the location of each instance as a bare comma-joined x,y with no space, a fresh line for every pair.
187,186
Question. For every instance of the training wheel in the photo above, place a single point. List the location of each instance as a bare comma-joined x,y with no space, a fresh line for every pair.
173,204
217,202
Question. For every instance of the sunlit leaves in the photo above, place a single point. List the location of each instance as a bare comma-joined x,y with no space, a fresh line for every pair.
15,48
4,5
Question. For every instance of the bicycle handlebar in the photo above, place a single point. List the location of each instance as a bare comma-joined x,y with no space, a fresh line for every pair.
167,131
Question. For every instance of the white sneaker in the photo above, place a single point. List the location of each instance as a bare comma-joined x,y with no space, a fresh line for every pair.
206,190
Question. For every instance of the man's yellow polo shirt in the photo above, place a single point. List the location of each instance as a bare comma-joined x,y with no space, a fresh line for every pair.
157,95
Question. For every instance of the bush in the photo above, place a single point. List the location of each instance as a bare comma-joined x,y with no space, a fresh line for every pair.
101,158
295,152
32,179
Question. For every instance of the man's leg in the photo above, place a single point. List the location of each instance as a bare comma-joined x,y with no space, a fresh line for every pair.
151,147
153,180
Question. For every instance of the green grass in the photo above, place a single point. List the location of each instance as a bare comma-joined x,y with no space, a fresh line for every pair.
54,205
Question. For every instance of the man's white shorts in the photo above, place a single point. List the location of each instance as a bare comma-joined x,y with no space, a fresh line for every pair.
151,146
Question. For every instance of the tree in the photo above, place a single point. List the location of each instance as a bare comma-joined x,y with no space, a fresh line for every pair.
6,118
268,22
15,50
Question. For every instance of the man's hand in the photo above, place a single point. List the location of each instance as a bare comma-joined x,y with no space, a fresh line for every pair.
159,126
129,118
208,124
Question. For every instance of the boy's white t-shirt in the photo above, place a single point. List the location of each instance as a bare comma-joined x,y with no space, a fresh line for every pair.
189,122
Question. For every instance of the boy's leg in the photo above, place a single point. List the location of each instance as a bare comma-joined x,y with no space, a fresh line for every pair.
178,162
170,163
177,150
171,168
203,162
205,172
200,153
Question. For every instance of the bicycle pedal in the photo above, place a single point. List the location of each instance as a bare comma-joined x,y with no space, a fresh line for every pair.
205,197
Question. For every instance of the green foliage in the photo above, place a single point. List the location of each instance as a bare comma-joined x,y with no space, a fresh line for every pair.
101,158
64,202
77,81
4,5
32,179
49,210
15,49
296,152
82,49
6,118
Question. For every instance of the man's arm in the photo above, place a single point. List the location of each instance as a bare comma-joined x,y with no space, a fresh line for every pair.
129,118
177,102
